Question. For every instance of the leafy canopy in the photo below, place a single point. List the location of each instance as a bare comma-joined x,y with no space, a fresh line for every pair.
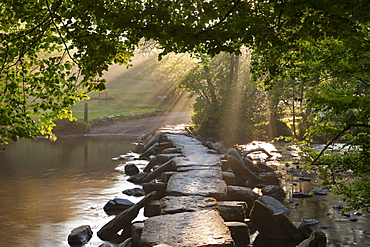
52,51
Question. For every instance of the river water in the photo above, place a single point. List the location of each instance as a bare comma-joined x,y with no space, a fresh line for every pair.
49,188
340,232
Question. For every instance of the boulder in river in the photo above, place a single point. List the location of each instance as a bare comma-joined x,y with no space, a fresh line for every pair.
138,178
275,205
301,195
263,166
139,148
316,239
117,205
160,189
229,178
239,193
150,151
304,229
274,191
80,235
311,222
269,178
136,230
321,191
131,169
289,228
152,208
122,222
134,192
240,170
265,221
239,232
219,147
232,210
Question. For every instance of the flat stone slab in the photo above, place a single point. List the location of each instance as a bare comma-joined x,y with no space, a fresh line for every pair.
204,161
208,183
232,210
180,204
189,229
189,146
186,168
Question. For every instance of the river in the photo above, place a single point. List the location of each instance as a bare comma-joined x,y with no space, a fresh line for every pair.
49,188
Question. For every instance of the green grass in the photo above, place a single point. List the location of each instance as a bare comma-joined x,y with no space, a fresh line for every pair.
130,91
99,109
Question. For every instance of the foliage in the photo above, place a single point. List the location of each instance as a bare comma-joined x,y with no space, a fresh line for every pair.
331,66
51,51
66,126
228,105
337,94
50,54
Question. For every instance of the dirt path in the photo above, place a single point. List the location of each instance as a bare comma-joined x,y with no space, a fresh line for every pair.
139,127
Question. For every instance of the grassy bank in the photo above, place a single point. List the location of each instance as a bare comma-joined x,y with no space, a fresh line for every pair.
142,90
144,87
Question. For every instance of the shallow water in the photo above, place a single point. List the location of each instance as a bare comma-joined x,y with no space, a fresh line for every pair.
342,231
47,189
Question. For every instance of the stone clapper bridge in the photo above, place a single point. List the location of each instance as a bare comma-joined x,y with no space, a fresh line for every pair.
195,202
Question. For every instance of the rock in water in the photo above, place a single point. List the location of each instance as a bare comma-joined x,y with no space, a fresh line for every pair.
274,205
240,170
311,222
134,192
269,178
274,191
232,210
317,239
320,191
110,231
131,169
117,205
139,148
239,232
301,195
304,229
80,235
238,193
265,222
138,178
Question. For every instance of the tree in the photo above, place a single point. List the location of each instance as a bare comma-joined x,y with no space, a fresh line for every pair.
228,106
338,94
64,46
52,51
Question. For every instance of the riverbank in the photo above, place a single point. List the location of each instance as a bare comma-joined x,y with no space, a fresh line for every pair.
130,127
140,127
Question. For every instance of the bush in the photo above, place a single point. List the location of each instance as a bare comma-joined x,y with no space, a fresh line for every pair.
66,126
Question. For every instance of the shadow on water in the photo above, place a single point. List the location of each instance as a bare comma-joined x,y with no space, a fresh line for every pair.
47,188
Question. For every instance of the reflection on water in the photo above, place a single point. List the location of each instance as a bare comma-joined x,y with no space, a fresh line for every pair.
47,188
